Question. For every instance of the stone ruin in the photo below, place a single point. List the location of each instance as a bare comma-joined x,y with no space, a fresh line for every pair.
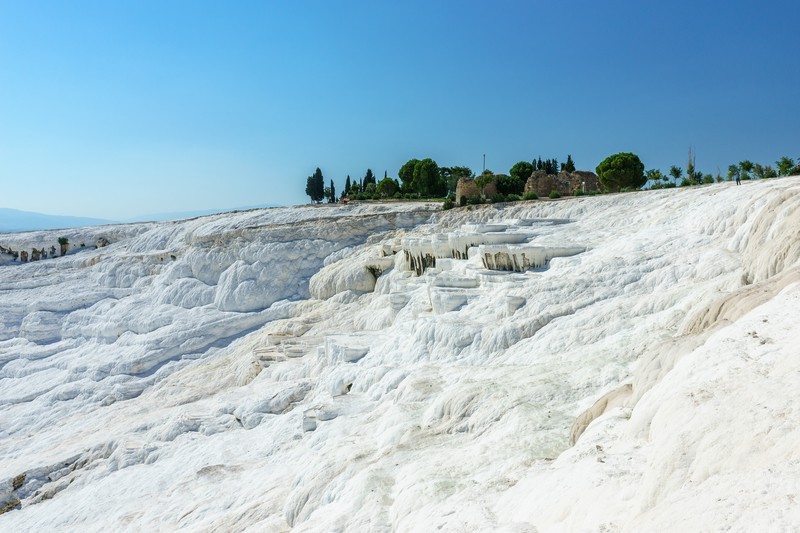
566,183
102,242
9,252
467,188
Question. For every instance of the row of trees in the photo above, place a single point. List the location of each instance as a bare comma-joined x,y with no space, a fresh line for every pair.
317,191
743,170
424,178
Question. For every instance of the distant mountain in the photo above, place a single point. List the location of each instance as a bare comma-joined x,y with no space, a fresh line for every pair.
13,220
192,214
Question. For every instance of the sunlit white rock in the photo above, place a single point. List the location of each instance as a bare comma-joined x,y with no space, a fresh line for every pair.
149,411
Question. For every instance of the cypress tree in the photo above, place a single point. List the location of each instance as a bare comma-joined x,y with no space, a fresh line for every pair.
319,185
347,186
369,178
569,166
315,186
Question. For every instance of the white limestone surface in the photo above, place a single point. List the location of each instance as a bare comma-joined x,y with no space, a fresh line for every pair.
242,372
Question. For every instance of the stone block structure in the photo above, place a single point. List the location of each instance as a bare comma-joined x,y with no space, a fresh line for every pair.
468,188
566,183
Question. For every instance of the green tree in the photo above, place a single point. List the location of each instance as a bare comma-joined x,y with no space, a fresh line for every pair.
733,172
655,176
387,187
369,177
620,170
690,170
521,171
451,175
315,186
427,180
758,171
676,173
406,174
784,165
484,179
510,184
745,168
569,166
63,243
462,172
347,186
332,193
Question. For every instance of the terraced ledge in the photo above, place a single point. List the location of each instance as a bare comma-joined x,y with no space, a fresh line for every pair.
520,258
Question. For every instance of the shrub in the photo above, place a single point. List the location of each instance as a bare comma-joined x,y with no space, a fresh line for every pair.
580,192
530,196
448,204
685,182
497,198
553,195
670,185
708,178
397,196
474,200
513,198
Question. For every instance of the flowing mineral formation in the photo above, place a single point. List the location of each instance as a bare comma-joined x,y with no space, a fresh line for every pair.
613,363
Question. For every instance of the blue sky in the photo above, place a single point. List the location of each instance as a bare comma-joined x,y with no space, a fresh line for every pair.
113,109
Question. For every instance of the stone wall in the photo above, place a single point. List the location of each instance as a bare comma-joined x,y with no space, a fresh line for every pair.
566,183
467,187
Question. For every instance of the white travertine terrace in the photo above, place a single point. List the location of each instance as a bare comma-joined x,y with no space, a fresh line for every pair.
523,257
288,371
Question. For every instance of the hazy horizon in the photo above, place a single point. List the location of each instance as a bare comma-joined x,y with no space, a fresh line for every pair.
16,220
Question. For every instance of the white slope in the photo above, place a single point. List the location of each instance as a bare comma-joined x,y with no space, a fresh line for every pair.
276,370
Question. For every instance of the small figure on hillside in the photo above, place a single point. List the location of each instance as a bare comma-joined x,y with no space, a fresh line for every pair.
738,180
23,256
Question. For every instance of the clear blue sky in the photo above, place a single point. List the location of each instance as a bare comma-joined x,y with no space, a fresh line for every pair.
115,108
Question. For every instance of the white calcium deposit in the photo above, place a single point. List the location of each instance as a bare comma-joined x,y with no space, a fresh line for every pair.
399,368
